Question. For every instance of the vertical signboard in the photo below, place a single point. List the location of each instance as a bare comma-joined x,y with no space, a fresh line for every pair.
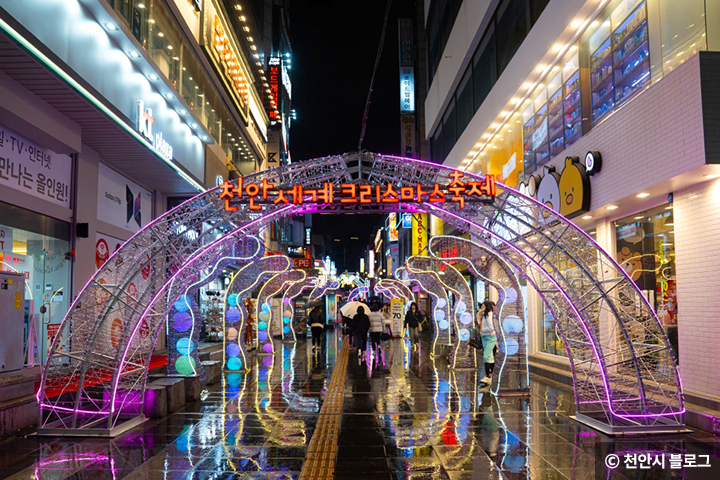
396,316
407,135
392,227
273,149
330,308
407,88
420,234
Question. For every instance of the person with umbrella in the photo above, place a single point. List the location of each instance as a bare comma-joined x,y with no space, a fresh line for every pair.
348,312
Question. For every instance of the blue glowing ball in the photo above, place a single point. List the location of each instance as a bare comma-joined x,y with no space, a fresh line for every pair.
232,299
464,334
185,345
182,304
234,363
262,336
439,315
265,307
233,315
262,326
234,379
232,350
286,330
511,346
286,320
443,325
513,324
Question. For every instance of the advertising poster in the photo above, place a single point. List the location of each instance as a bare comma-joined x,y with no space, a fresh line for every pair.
392,227
396,316
29,168
122,202
105,245
330,309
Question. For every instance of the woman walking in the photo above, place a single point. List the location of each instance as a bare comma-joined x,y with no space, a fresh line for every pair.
413,317
317,327
361,325
377,325
489,340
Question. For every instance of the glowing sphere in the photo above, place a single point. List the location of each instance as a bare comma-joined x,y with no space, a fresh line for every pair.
265,307
461,307
262,336
234,379
287,312
262,326
182,322
443,324
182,304
286,330
464,334
234,363
264,316
286,301
465,318
185,345
509,295
232,350
286,320
231,334
185,365
439,315
512,324
441,303
511,346
268,348
268,361
232,299
233,315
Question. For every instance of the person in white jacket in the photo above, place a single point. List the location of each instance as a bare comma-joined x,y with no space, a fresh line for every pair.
378,323
488,338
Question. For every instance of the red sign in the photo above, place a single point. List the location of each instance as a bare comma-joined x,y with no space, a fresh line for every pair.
52,331
351,193
302,262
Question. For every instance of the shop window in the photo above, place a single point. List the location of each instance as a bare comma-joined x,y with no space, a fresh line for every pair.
484,69
511,28
436,150
39,248
682,28
646,250
551,341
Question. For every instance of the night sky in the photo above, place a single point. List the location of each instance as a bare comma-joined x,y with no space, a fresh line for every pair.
334,47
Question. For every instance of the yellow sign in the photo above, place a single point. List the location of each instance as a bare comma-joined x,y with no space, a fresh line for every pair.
420,234
18,300
392,226
396,316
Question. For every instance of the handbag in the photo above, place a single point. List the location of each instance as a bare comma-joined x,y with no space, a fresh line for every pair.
385,336
474,342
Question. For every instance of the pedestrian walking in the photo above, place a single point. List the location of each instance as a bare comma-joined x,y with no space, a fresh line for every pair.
413,318
361,325
377,326
317,326
387,318
488,338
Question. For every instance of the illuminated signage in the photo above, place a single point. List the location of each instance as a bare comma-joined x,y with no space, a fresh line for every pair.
296,251
593,162
228,60
392,230
308,235
407,220
274,82
219,180
419,234
351,193
567,192
407,70
144,122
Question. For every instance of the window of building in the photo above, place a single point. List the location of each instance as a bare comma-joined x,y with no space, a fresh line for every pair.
39,248
436,150
464,101
645,245
449,129
484,69
512,24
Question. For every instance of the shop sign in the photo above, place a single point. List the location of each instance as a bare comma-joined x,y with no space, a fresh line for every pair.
567,192
6,240
407,135
351,193
308,235
396,316
29,168
144,122
302,262
407,220
274,82
419,234
407,73
224,55
297,251
392,231
121,202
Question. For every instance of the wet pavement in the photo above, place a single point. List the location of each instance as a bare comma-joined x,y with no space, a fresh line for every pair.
404,415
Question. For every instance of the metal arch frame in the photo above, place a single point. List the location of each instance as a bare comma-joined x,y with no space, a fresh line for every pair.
251,275
293,292
357,292
639,385
322,289
470,253
208,275
278,283
430,283
463,356
402,290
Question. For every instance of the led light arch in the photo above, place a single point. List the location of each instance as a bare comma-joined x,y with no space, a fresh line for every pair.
624,372
272,288
511,374
291,294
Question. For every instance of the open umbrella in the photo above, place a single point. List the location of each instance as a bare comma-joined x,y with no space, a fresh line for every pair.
350,309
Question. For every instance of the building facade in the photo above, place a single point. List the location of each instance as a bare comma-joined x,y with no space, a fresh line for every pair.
605,111
113,112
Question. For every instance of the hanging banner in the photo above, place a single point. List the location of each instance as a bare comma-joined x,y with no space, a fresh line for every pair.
396,316
105,245
420,234
407,135
122,202
29,168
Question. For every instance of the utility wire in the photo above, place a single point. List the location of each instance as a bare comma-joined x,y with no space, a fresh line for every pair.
372,79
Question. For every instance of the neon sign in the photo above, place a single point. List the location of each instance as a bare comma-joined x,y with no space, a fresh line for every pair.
145,122
351,193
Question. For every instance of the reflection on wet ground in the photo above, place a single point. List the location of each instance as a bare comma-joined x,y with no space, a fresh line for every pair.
405,415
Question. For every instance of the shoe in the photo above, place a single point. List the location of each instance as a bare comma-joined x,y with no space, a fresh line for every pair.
486,380
359,354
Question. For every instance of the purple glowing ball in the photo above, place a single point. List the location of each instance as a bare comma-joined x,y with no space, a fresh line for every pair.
268,348
232,350
268,361
182,321
233,314
262,336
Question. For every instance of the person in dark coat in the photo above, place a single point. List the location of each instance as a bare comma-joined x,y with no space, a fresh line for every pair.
361,325
413,317
317,326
